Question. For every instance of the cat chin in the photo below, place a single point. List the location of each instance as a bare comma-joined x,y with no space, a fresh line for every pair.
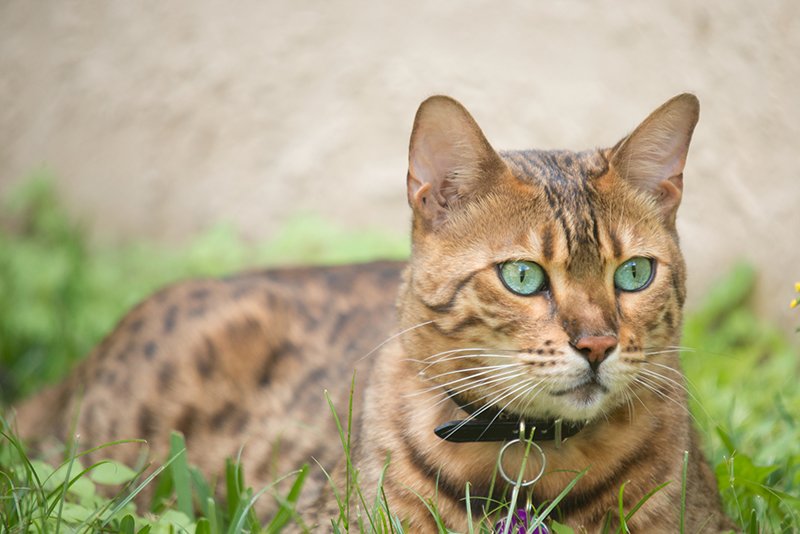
581,404
585,407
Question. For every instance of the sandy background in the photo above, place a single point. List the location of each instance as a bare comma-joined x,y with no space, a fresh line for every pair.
161,119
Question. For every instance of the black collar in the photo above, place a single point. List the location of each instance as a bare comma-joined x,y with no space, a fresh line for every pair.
492,425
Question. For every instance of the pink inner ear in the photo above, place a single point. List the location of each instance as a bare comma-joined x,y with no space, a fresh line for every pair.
670,191
676,181
425,174
662,177
674,160
435,158
422,194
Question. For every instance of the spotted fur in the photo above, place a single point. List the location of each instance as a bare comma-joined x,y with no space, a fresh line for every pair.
241,363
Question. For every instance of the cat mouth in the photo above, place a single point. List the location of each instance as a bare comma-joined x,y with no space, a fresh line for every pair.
585,389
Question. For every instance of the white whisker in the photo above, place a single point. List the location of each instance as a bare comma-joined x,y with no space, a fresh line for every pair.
477,350
628,404
677,347
493,390
533,397
392,337
692,384
463,357
527,390
665,379
653,387
479,368
524,384
633,392
447,385
484,382
494,402
664,351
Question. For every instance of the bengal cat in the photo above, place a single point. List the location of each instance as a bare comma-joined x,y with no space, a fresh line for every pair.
544,288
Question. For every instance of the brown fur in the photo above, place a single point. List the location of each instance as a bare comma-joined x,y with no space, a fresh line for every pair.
243,361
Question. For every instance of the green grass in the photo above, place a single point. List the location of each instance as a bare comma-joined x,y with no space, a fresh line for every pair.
744,375
59,295
36,497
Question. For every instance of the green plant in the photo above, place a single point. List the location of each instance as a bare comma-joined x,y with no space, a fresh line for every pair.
743,373
34,496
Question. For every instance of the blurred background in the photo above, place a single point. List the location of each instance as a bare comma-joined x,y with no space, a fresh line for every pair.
162,120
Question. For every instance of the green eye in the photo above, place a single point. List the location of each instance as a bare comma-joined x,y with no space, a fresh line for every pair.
634,274
522,277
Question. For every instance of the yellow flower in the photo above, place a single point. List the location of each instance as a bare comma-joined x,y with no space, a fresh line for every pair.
797,286
794,303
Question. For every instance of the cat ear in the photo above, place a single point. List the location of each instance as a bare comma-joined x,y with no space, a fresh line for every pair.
449,160
653,156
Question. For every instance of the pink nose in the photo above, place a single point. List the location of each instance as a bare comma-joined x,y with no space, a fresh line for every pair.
596,348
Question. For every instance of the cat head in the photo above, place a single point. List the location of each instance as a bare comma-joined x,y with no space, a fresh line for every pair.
550,282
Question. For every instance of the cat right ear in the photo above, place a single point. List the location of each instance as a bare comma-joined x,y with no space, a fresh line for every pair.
652,158
449,161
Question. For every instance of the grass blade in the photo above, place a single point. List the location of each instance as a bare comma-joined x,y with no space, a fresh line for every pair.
470,528
180,475
683,491
211,515
65,484
644,499
344,508
287,508
623,524
121,504
233,485
558,499
205,497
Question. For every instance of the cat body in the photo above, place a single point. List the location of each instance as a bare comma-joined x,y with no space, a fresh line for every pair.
237,365
542,286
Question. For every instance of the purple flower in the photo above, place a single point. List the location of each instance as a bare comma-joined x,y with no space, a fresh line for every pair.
519,524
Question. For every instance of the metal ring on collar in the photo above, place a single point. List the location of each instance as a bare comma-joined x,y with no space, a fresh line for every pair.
521,439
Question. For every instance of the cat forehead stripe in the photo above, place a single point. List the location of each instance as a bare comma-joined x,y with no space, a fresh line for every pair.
566,181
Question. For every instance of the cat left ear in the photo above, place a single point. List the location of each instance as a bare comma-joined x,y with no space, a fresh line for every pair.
449,161
652,158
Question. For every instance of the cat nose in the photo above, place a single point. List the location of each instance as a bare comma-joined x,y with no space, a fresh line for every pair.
595,348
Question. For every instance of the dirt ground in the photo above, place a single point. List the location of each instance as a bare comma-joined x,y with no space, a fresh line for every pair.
161,119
